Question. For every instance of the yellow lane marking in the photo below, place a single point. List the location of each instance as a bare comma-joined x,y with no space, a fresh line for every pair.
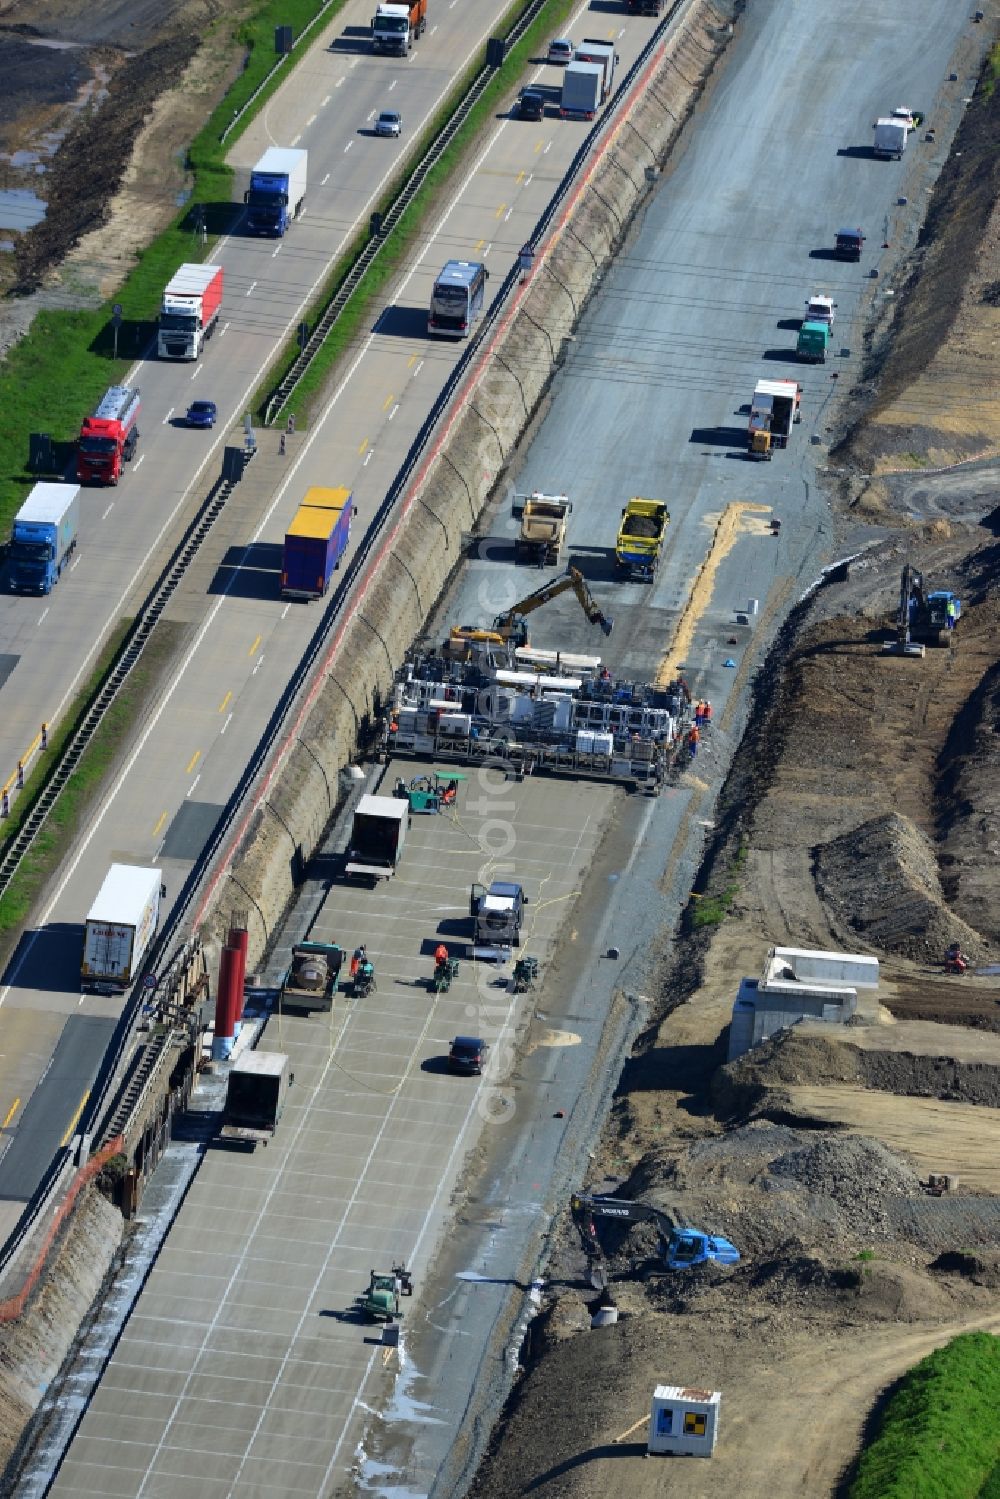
501,209
479,245
163,818
194,761
75,1119
411,361
388,402
11,1112
362,447
539,147
738,518
254,646
520,176
225,702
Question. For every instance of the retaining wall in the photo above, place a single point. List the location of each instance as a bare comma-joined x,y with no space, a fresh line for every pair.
287,821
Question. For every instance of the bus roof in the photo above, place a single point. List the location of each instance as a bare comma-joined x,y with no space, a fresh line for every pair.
461,272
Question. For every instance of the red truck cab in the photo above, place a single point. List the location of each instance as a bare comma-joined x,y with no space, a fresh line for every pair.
109,437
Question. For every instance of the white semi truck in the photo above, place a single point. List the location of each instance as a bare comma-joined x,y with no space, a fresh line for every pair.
119,928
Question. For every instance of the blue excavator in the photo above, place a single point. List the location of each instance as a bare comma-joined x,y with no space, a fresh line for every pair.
681,1247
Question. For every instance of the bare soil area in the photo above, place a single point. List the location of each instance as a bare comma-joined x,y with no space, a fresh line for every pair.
96,124
862,813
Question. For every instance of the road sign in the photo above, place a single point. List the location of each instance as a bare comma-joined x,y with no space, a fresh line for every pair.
150,981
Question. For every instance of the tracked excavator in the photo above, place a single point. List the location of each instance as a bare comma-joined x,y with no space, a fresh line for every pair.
511,627
922,618
680,1247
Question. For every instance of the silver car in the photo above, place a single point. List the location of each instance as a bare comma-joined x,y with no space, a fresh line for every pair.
561,50
388,122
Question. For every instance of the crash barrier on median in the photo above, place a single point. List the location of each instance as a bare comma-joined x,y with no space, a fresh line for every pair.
389,219
415,541
13,1307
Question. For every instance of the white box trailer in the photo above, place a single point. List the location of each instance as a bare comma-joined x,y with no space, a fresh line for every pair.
119,928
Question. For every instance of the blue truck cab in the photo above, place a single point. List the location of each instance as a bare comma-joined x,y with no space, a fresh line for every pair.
43,537
277,191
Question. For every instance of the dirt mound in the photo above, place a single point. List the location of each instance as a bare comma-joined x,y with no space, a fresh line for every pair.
880,882
969,810
95,154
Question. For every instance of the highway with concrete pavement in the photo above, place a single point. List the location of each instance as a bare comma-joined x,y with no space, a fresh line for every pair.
237,641
242,1371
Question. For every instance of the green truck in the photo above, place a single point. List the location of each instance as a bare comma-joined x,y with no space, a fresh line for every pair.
813,342
640,539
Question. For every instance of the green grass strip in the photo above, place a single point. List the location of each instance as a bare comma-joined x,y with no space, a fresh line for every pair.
357,315
55,374
66,817
939,1437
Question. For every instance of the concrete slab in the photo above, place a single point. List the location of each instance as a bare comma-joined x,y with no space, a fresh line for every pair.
249,1312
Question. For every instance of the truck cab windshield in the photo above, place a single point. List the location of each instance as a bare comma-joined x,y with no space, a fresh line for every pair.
179,322
393,24
97,445
31,552
266,197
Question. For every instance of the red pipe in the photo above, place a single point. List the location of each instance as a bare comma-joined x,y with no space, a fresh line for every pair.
239,941
228,961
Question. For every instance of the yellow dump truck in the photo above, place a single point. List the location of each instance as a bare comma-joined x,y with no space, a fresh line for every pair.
543,529
640,539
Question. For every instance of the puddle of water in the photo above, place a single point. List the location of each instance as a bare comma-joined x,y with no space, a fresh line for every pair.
20,209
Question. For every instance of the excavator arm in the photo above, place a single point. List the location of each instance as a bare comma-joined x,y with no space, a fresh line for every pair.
507,624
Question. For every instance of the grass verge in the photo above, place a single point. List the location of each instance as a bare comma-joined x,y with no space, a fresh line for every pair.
67,815
54,375
940,1432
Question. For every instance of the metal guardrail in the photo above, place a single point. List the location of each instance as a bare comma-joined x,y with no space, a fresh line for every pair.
69,760
104,1092
239,113
366,258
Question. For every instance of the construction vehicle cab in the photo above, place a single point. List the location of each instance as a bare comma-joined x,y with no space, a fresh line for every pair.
774,410
511,628
689,1246
922,618
380,1302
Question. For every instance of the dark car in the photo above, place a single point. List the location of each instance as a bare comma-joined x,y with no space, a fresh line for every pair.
531,105
468,1055
848,244
201,414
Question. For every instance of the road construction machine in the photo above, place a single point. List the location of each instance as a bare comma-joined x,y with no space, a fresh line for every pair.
381,1301
680,1247
511,627
922,618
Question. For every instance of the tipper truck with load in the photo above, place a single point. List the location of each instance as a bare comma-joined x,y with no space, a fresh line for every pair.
277,190
775,408
189,311
119,928
313,976
396,27
255,1097
582,90
109,437
543,528
43,537
315,543
640,539
377,838
591,49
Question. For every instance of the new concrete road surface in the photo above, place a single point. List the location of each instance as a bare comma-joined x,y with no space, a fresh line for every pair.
244,1366
326,107
648,402
241,640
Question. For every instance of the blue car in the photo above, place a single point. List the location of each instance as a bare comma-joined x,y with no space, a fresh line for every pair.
200,414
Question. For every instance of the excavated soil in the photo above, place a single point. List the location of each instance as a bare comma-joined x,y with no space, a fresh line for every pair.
861,813
94,98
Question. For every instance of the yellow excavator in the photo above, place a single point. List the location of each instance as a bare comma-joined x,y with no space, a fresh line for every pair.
511,627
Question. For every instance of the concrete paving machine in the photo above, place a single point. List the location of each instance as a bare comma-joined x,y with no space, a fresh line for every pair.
511,627
680,1247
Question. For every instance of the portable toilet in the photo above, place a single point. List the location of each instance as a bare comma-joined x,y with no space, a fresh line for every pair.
683,1422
